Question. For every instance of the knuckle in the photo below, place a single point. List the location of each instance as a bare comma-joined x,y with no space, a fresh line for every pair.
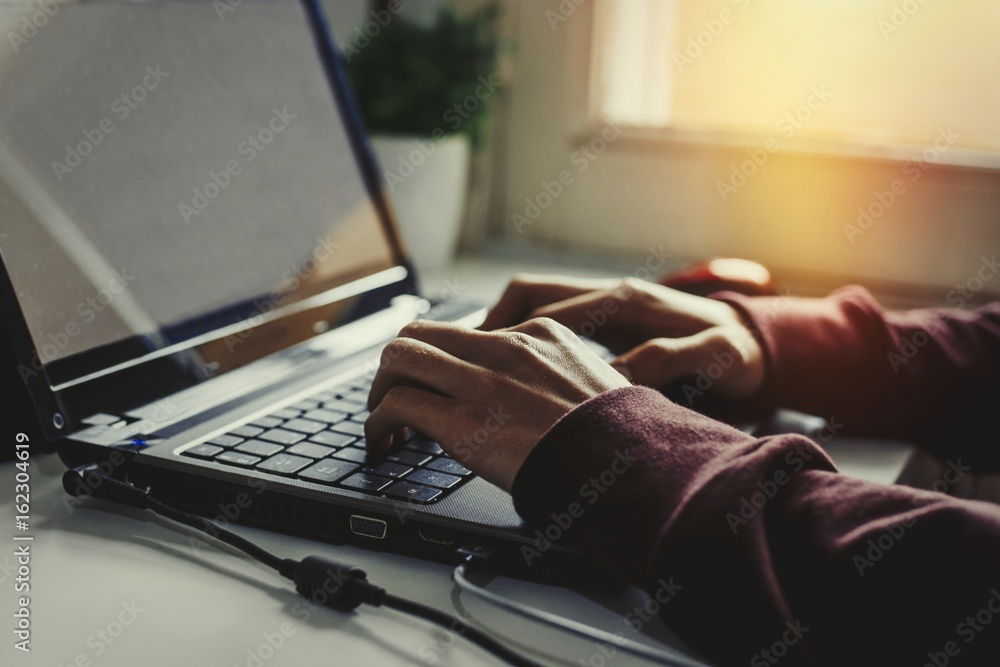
413,328
544,328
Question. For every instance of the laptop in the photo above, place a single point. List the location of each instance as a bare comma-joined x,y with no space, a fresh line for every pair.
200,268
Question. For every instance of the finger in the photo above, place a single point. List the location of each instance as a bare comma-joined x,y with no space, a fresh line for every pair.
591,314
458,341
660,361
403,406
528,292
408,361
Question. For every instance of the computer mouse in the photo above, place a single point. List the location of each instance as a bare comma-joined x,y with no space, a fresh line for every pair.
723,274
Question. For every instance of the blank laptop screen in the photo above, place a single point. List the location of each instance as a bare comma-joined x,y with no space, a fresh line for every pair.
167,170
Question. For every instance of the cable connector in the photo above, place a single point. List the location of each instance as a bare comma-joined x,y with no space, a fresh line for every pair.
475,554
344,587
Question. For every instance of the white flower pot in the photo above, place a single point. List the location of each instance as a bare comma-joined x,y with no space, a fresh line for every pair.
427,181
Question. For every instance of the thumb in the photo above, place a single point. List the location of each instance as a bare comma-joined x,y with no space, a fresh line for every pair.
660,361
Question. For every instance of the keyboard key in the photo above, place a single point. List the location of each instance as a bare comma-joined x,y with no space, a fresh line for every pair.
351,454
424,446
412,492
204,451
311,450
286,413
305,404
444,464
259,448
340,405
282,437
359,398
238,458
350,428
433,478
284,464
361,417
266,422
363,481
247,431
327,395
332,439
386,469
304,426
326,416
327,471
226,440
409,458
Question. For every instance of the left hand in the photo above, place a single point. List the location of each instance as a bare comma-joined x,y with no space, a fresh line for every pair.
486,397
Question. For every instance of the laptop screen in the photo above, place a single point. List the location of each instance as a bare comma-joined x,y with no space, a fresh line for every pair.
173,173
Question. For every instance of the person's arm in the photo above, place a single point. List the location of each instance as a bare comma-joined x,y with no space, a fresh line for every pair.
931,377
758,552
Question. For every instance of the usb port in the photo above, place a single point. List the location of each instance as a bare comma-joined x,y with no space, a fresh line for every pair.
368,527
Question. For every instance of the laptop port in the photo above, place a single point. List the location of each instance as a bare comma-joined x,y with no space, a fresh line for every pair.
368,527
429,535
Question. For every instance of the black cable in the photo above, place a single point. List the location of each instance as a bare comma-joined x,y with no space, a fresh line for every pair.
460,627
342,587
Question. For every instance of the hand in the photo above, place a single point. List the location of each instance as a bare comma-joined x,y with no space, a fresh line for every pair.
669,334
486,397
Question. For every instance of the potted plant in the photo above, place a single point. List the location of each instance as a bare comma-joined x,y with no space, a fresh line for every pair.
424,93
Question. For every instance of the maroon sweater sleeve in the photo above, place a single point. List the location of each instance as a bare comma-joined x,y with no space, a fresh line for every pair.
757,551
931,377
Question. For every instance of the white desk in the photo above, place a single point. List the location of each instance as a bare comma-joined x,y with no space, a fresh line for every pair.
156,600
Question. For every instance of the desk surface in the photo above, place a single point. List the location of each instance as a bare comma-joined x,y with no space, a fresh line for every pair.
113,587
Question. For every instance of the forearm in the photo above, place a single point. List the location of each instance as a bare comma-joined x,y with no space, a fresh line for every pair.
762,540
928,376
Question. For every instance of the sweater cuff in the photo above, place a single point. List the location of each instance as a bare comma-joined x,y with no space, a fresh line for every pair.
609,475
796,333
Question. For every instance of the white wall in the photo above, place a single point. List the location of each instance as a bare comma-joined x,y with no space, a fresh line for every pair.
791,214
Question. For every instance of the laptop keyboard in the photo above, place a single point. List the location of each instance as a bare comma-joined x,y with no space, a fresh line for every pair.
321,439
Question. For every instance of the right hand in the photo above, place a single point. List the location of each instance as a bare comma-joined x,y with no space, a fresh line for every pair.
670,334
